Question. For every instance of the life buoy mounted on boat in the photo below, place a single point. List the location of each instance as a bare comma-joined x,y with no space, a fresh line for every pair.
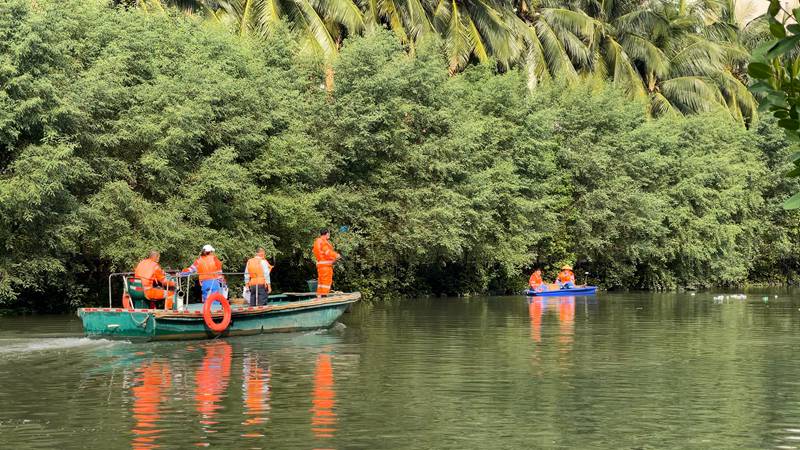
226,313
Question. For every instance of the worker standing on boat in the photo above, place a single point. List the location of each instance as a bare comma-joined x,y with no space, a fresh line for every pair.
566,279
256,277
153,278
209,271
326,256
536,283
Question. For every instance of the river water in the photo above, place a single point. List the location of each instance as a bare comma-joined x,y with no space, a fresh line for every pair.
612,371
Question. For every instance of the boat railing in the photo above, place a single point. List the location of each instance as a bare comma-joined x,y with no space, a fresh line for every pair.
182,283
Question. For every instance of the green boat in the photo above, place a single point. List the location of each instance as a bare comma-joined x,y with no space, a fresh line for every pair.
282,313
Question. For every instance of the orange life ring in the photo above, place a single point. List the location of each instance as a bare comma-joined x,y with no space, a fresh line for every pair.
226,312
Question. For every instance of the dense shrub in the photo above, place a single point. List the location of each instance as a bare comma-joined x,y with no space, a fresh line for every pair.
122,131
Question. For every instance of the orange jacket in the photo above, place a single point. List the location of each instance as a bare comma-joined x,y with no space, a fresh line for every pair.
150,272
566,276
536,279
208,267
255,272
323,251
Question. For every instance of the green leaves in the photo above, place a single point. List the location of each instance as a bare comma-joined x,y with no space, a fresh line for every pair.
777,29
759,70
777,68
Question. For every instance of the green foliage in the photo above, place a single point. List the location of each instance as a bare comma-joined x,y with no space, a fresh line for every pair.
776,67
123,131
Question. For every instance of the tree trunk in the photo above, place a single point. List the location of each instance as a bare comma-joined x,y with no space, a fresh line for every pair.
329,78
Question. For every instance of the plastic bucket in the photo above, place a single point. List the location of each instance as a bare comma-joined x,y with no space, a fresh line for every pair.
312,285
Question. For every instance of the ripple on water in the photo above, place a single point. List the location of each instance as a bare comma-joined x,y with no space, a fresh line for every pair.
30,347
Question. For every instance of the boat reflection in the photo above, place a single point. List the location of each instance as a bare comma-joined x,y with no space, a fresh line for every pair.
538,306
323,419
153,379
153,396
212,379
255,393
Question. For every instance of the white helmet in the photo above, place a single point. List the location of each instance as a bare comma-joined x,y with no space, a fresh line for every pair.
208,248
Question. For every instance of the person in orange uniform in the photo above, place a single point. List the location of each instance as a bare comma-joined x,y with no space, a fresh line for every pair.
256,277
326,256
154,280
536,283
209,271
566,279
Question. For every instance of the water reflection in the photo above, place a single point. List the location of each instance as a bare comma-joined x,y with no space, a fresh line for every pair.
323,420
537,307
153,379
256,393
212,379
677,371
566,320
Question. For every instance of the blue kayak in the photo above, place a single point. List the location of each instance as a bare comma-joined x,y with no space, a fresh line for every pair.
582,290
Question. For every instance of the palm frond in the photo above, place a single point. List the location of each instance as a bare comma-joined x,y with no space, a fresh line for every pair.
494,30
659,106
739,99
418,23
640,49
700,57
457,43
576,22
344,12
692,94
316,29
622,71
554,51
478,46
389,10
644,22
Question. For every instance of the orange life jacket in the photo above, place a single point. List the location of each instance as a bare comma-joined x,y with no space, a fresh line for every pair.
536,279
565,276
256,272
323,251
208,267
149,272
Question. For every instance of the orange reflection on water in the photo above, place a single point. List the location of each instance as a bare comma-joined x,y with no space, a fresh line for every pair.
535,311
212,381
537,307
566,320
154,378
323,420
256,393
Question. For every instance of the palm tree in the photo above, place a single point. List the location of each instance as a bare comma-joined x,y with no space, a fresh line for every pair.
409,19
323,24
684,56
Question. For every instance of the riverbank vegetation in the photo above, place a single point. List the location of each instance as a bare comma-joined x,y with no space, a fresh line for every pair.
122,130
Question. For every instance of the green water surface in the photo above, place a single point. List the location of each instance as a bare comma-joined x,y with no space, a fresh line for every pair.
612,371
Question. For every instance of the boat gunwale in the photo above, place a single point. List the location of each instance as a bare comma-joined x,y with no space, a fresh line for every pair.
312,303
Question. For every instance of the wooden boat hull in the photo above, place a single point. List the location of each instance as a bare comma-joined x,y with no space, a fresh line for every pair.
581,290
159,325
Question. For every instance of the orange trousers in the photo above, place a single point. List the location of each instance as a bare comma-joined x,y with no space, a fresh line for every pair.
160,294
324,278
